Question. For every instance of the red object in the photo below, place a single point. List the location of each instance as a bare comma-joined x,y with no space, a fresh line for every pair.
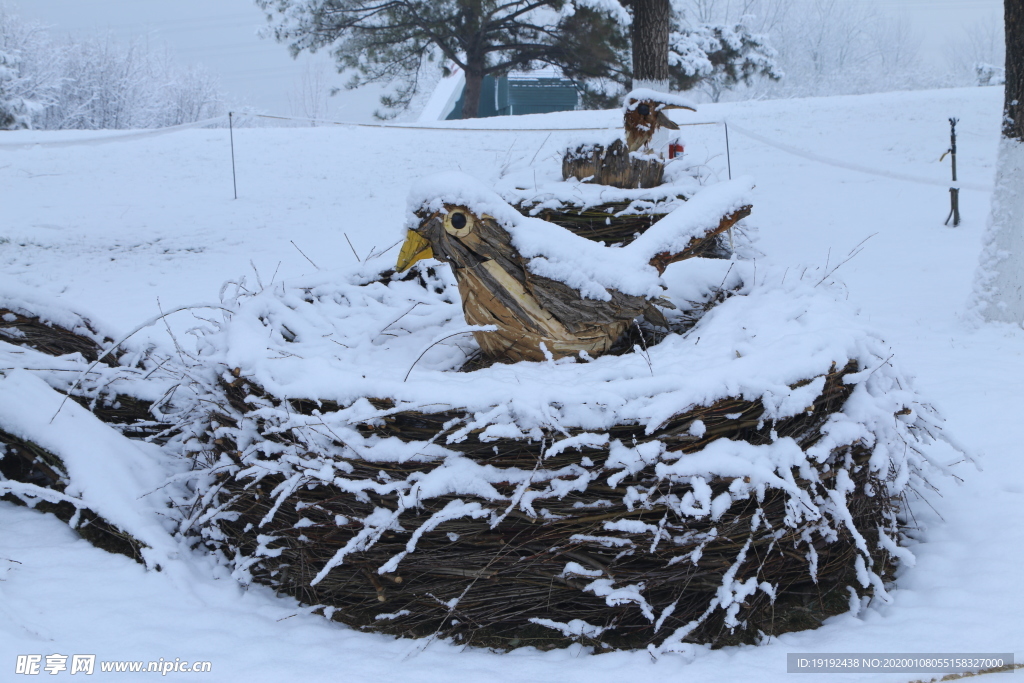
675,151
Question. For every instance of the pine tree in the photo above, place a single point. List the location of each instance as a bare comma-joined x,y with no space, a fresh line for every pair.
716,57
713,57
389,42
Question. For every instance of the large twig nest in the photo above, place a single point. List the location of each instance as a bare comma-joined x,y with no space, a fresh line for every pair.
67,352
742,476
615,216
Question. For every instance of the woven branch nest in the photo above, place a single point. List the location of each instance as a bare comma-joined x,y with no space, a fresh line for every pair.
575,508
24,329
507,570
27,462
73,346
609,223
614,224
613,216
131,414
420,518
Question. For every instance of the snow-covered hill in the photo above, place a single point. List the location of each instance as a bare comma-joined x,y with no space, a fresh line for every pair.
108,230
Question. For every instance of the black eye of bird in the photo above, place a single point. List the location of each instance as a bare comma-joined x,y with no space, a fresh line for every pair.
458,220
643,110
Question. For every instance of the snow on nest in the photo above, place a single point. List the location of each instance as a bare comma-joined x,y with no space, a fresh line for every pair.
588,266
346,338
122,480
26,302
578,196
138,373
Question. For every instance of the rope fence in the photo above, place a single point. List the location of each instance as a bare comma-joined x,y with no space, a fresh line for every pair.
789,149
116,137
796,151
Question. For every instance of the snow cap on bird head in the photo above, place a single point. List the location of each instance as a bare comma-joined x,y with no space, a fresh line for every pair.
662,100
454,188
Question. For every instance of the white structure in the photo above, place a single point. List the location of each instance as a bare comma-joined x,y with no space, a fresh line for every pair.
446,94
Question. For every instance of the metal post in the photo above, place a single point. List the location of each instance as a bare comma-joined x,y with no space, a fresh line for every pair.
728,165
231,132
954,192
728,155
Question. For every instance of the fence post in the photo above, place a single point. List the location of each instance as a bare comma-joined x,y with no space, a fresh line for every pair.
954,192
231,132
728,153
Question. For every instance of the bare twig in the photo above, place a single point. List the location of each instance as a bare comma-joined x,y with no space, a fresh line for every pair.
304,255
351,247
151,321
398,318
853,252
487,328
381,253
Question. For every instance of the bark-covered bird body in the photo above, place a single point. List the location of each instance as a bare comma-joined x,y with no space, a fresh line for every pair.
529,310
548,292
644,117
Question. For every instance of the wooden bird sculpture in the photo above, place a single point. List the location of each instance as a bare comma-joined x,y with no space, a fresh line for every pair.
645,115
543,288
615,164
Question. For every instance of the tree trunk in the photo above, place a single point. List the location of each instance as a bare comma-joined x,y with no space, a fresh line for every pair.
650,29
471,94
1013,109
999,283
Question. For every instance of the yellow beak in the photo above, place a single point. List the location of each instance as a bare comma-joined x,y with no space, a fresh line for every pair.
416,248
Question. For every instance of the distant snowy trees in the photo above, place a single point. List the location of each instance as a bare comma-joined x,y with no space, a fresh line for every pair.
824,47
95,83
978,51
741,49
999,284
21,82
13,108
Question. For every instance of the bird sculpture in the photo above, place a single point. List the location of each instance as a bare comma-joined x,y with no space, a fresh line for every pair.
644,121
547,292
645,116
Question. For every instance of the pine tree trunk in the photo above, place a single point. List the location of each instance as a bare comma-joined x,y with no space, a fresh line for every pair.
650,29
1013,109
471,94
476,62
999,283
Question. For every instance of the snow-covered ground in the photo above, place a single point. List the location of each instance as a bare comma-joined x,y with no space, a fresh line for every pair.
109,230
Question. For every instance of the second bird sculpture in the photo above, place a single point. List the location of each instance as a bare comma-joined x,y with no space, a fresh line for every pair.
548,292
638,159
645,116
